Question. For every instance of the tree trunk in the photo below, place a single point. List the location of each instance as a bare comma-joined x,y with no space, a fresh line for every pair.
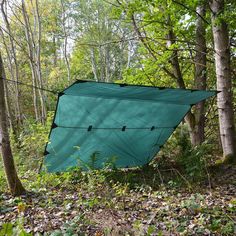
200,73
38,63
94,64
101,62
223,76
14,183
107,63
174,60
65,41
30,45
12,55
7,107
11,70
190,117
54,50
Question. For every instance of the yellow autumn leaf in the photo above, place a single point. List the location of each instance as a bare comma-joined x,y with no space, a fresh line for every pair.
21,207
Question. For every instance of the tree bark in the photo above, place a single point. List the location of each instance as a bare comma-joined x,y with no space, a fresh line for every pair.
101,63
200,73
10,68
8,110
33,39
30,46
107,63
174,60
94,64
223,76
65,42
15,186
38,63
12,57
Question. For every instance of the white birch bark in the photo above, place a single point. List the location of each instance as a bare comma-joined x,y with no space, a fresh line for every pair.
65,44
30,46
223,76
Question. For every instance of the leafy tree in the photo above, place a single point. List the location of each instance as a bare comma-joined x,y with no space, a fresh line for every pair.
168,53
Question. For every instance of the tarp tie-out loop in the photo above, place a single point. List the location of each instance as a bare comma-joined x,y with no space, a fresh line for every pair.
90,128
123,128
152,128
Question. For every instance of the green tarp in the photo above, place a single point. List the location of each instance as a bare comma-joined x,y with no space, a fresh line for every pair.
98,124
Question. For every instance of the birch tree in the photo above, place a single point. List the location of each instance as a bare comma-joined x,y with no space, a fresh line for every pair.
65,43
33,40
223,76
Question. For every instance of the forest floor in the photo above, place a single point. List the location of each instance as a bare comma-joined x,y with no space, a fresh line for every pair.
122,202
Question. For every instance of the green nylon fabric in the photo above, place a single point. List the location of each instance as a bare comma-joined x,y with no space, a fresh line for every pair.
99,124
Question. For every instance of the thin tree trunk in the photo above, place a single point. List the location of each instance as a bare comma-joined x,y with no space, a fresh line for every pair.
107,63
102,66
15,186
8,110
94,65
200,73
223,76
54,51
12,54
38,64
31,59
189,118
129,55
11,70
7,107
174,60
65,42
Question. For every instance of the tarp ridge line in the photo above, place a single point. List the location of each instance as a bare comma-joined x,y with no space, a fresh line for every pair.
137,85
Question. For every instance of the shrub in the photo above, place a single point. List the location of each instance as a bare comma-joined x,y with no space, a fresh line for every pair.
192,161
29,147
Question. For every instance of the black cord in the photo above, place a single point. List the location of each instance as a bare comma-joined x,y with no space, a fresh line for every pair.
113,128
31,86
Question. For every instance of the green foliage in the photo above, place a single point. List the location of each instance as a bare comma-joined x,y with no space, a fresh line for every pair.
195,161
228,228
194,203
3,184
71,227
192,161
30,144
8,229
